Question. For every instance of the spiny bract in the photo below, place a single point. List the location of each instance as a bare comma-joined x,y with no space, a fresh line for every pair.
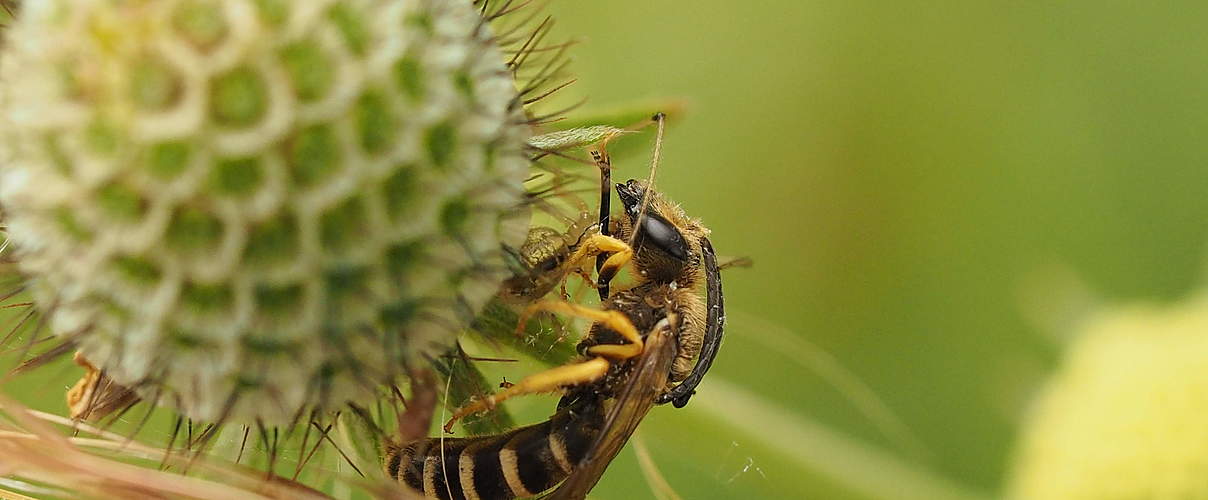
253,208
1124,417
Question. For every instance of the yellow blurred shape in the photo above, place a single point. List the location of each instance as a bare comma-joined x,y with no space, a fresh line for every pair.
1126,415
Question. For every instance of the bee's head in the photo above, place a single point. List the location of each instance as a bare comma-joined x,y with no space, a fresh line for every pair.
667,243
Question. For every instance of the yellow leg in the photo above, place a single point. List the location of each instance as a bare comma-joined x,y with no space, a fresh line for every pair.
546,381
597,244
614,351
568,375
614,320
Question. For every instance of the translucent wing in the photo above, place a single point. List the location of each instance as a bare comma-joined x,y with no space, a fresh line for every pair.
646,382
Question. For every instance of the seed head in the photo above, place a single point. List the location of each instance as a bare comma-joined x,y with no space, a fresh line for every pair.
253,208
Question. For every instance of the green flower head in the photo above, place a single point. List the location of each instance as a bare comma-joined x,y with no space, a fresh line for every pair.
255,208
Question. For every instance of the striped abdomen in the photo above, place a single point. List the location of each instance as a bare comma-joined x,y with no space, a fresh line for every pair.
519,463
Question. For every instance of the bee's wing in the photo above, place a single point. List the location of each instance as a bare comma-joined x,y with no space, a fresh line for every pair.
646,381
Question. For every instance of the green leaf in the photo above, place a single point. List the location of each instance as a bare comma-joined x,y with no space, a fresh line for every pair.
575,137
631,117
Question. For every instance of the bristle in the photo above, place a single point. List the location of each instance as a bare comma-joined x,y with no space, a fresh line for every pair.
512,29
261,379
538,67
243,443
308,454
325,436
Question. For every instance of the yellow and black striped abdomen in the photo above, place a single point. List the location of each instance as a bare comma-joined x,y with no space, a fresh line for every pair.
519,463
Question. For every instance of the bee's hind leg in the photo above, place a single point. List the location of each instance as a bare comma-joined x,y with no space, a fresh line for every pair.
567,375
547,381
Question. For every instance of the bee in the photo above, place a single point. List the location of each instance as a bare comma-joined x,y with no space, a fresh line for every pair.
650,343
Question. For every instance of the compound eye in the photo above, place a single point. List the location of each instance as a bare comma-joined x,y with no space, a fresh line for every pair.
663,235
548,264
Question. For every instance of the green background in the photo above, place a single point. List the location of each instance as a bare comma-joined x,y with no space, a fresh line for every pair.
918,183
924,187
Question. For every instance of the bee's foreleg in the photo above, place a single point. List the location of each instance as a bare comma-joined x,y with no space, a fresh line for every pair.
604,162
599,244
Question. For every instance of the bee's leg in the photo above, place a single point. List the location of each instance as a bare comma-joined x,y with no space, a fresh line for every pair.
566,375
598,244
546,381
608,268
614,320
604,162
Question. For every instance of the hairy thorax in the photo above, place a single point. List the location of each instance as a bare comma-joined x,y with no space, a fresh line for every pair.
646,305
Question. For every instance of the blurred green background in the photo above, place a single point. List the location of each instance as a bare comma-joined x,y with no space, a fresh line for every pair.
919,183
912,180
